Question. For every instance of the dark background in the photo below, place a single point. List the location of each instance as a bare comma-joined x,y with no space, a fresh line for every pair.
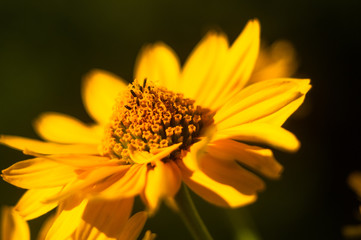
47,46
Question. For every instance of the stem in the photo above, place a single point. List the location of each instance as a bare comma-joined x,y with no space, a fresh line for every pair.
190,216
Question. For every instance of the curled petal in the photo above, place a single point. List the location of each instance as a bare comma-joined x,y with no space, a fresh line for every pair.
163,181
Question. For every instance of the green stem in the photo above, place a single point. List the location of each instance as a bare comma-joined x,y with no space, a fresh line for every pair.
190,216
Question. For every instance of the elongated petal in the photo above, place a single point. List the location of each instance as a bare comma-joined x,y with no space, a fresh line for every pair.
13,226
36,146
158,63
262,133
99,91
238,65
83,161
38,173
134,226
230,173
145,157
262,101
31,205
62,128
203,65
213,191
85,180
163,181
125,185
259,159
68,219
104,219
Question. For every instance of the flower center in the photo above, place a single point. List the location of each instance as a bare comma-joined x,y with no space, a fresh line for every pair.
147,117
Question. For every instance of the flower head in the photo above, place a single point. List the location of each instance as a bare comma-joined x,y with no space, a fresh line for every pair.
199,124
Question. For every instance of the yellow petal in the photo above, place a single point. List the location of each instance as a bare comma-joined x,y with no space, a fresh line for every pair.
62,128
86,180
163,181
45,227
68,219
158,63
83,161
134,226
278,60
195,154
237,66
149,235
13,226
38,173
36,146
256,158
104,219
99,91
145,157
213,191
202,66
125,185
230,173
262,133
262,101
31,204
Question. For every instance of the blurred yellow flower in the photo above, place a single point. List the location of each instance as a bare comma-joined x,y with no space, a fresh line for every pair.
354,231
198,124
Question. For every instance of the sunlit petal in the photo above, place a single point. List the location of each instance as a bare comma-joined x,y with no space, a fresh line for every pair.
99,90
158,63
62,128
31,205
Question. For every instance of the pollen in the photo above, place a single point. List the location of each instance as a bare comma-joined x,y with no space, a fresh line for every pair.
147,117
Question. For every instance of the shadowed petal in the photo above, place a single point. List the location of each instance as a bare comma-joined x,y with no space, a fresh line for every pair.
134,226
31,205
68,219
13,226
257,158
230,173
212,191
126,184
104,219
163,181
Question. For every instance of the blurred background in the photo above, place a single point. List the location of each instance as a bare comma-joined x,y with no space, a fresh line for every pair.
47,46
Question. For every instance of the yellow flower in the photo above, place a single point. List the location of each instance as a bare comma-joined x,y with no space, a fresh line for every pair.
354,231
198,124
95,223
